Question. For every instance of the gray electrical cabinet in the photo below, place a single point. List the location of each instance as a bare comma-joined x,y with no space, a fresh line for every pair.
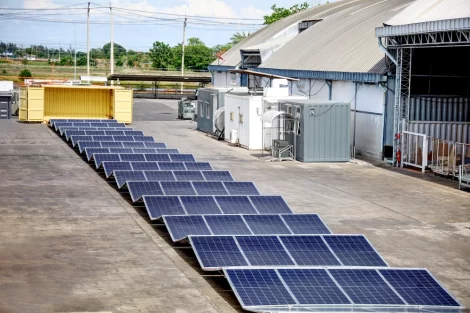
210,100
320,129
5,105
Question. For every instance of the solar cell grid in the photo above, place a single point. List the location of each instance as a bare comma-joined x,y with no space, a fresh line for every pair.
264,250
139,189
354,251
76,139
313,286
82,145
241,188
181,227
217,175
132,157
95,124
270,204
131,144
227,225
168,166
213,251
91,151
305,224
144,150
142,166
114,133
70,133
144,138
157,145
182,158
200,205
309,250
166,151
365,287
210,188
157,206
178,188
188,176
266,224
111,166
112,144
158,158
159,176
120,150
122,177
103,138
123,138
198,166
235,205
95,133
100,157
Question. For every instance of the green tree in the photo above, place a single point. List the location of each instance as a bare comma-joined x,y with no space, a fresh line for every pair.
237,37
161,55
118,50
24,61
280,13
81,61
197,55
25,73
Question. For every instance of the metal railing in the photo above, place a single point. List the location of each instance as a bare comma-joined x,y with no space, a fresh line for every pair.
414,149
279,153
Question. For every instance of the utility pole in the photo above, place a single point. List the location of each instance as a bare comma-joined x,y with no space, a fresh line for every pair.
112,42
88,43
182,46
75,54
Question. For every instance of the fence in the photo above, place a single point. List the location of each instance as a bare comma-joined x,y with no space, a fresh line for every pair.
414,150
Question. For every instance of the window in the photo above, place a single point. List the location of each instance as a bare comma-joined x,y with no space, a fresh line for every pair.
240,118
231,116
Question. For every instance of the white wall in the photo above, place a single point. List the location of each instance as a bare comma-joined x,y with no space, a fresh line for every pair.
225,79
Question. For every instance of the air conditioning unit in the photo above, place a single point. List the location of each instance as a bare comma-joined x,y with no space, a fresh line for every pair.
233,136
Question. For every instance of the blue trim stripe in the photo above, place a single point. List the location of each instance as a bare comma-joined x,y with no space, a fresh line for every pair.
220,68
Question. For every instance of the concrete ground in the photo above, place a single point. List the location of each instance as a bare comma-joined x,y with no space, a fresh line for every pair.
70,243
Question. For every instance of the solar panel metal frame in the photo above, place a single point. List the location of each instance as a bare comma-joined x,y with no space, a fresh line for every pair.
109,164
137,197
90,151
98,161
147,199
156,145
260,209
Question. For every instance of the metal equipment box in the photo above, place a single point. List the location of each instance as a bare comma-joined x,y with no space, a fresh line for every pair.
5,105
320,130
186,109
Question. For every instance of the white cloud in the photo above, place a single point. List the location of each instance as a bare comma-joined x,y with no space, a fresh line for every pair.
44,4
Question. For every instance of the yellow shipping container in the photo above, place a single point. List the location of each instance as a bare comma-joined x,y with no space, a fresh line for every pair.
38,104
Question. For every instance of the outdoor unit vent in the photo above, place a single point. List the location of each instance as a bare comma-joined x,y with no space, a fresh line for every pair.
306,24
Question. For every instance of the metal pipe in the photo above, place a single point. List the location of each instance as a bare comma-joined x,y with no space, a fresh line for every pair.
387,53
330,88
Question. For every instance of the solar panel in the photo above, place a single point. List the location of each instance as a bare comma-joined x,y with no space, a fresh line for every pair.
354,250
76,139
270,204
313,286
111,166
144,150
112,144
209,188
217,175
227,225
142,166
198,166
309,250
158,158
120,150
157,145
235,205
70,133
200,205
161,205
82,145
213,251
241,188
102,138
132,144
166,151
137,189
255,287
305,224
169,166
177,188
90,151
365,287
159,176
418,287
266,224
95,124
134,133
188,176
95,133
144,138
182,158
123,138
100,157
133,157
122,177
122,125
264,250
180,227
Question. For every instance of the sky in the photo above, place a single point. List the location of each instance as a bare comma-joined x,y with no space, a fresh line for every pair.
138,23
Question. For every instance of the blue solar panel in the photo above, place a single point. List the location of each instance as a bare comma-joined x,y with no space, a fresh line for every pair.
160,205
313,286
200,205
198,166
117,125
70,133
217,175
91,151
123,138
122,177
144,150
209,188
177,188
82,145
188,176
159,176
133,157
354,251
182,158
264,250
76,139
181,227
166,151
137,189
309,250
254,287
169,166
120,150
145,166
144,138
236,205
227,225
95,133
112,144
241,188
418,287
100,157
305,224
157,145
270,204
365,286
95,124
111,166
217,252
266,224
159,158
134,133
131,144
114,133
102,138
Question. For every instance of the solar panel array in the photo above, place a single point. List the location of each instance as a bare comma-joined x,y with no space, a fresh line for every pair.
274,260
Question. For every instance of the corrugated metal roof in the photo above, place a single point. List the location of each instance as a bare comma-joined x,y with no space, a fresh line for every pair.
431,10
343,42
232,57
